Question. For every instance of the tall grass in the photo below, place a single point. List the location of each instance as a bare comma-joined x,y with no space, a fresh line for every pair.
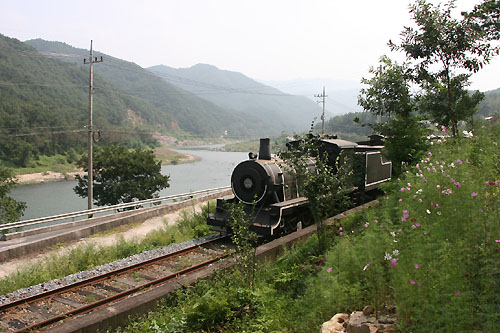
428,254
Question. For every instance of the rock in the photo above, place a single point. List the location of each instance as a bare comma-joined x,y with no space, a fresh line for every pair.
358,323
386,320
335,325
368,310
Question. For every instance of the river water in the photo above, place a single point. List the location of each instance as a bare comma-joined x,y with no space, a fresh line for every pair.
213,170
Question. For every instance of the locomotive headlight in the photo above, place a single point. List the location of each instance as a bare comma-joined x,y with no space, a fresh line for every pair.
248,183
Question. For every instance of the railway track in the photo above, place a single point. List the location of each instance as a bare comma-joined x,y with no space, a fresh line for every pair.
51,307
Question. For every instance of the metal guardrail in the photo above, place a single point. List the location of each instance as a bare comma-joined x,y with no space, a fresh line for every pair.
21,224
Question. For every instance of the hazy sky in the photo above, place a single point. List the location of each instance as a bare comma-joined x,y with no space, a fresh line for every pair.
267,40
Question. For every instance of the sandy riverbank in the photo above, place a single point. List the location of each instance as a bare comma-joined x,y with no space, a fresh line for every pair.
46,176
52,176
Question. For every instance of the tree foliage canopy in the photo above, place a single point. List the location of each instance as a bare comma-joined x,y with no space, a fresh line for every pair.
122,175
10,209
445,51
388,91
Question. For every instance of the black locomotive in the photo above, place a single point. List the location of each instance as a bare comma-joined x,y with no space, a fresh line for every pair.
270,194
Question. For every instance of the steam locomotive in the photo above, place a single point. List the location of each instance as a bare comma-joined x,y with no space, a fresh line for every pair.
272,199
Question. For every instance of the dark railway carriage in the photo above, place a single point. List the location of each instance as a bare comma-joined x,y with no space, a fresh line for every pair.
270,194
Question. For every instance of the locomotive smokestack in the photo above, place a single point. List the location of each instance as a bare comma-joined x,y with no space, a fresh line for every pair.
265,149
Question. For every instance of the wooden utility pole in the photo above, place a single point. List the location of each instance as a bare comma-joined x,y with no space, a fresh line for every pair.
90,176
323,96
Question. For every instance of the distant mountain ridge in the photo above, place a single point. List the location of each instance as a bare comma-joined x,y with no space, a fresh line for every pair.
342,94
235,91
171,108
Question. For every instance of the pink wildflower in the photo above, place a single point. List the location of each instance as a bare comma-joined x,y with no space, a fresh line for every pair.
460,162
443,128
458,185
341,229
400,200
376,221
437,205
419,200
394,262
419,283
341,233
417,224
438,186
402,189
474,194
416,266
329,270
386,198
430,154
497,240
367,224
400,230
412,281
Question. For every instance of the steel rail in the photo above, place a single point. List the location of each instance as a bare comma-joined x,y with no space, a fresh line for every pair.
119,296
41,220
100,277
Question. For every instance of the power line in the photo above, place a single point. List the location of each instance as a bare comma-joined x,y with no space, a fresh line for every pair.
41,85
41,133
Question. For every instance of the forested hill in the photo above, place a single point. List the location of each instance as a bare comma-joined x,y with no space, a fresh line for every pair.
44,104
236,91
490,105
170,107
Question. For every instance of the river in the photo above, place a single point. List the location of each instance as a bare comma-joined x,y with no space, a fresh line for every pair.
212,170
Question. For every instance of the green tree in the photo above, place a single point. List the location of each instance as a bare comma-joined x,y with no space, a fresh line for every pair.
388,94
439,47
326,186
485,18
388,91
121,175
10,209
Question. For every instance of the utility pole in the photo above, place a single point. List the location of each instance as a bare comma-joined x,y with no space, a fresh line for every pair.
381,106
323,96
91,61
